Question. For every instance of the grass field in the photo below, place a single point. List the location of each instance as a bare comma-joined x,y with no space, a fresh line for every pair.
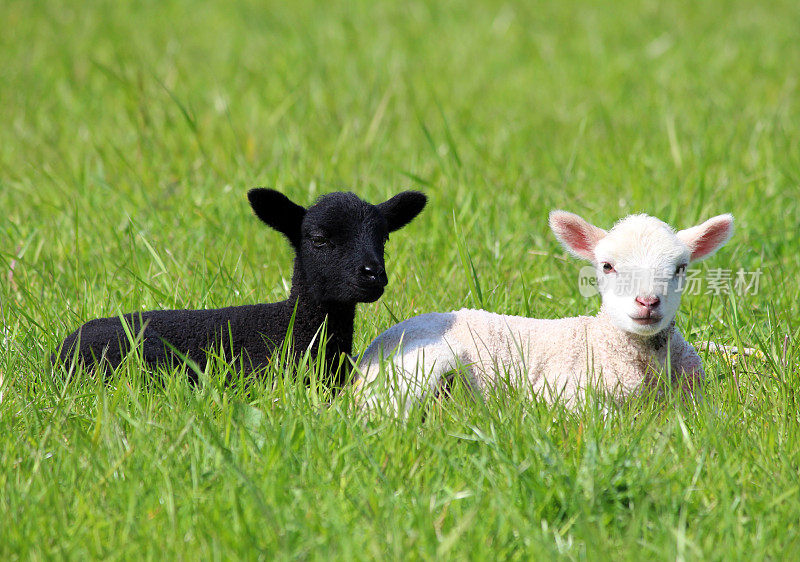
130,134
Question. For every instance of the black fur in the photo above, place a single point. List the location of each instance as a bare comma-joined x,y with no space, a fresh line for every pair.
338,245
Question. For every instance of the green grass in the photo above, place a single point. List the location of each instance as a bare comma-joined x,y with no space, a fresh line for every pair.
130,133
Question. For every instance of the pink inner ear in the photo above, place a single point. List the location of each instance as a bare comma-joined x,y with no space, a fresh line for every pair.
706,244
579,241
577,235
711,240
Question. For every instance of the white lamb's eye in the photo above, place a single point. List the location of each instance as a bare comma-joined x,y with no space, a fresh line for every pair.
608,268
680,270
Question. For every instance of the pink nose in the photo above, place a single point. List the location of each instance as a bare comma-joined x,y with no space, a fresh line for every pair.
648,302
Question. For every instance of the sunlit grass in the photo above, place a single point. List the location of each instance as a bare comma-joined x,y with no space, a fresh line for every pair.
130,134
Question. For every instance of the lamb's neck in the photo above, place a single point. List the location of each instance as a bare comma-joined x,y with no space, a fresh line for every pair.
310,315
645,347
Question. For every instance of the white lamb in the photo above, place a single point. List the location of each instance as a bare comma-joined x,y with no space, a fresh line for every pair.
639,267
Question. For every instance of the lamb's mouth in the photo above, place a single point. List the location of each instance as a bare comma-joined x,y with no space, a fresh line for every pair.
647,320
370,293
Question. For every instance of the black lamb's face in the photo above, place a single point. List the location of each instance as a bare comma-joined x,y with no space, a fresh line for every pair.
339,240
342,249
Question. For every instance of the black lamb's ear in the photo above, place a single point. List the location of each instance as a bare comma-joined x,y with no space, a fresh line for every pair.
278,211
402,208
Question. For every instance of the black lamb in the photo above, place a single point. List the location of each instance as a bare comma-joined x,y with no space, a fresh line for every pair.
339,248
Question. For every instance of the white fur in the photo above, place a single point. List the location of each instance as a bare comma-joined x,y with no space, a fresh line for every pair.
621,349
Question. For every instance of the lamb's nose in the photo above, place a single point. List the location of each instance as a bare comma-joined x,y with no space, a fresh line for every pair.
648,302
371,271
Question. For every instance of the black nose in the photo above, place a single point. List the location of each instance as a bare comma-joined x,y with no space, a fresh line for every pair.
372,272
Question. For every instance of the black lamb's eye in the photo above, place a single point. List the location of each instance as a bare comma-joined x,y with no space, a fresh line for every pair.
319,241
608,268
681,269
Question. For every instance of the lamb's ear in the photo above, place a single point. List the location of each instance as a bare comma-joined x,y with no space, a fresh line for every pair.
705,239
278,211
576,235
402,208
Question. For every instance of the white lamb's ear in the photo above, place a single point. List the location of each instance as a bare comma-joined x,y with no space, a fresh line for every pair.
575,234
705,239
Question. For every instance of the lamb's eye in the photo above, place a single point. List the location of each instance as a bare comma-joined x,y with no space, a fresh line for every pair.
319,241
608,268
680,270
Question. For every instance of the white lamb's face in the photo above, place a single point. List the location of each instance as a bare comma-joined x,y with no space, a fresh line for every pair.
640,263
640,267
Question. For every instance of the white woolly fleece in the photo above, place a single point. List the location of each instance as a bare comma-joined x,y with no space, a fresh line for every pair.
555,359
639,265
